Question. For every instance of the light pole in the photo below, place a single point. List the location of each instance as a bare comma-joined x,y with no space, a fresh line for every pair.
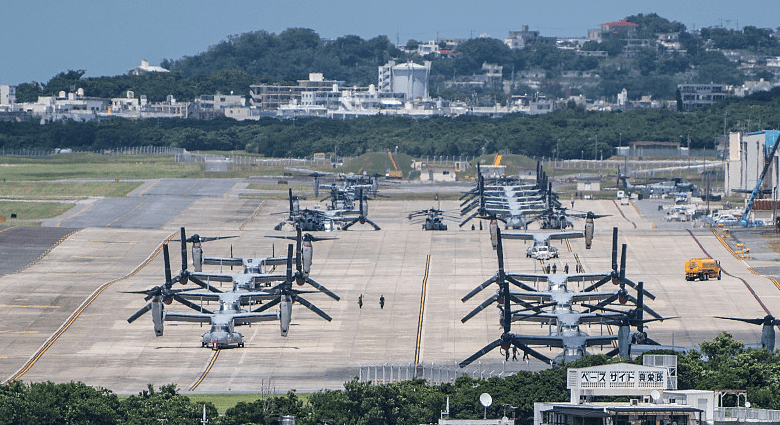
582,158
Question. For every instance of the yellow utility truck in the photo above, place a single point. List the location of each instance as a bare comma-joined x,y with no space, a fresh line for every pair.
702,268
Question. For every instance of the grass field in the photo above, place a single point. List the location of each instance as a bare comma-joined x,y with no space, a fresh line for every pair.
64,190
27,213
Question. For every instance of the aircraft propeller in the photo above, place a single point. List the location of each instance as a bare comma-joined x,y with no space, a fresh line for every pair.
362,214
163,293
507,338
285,289
767,333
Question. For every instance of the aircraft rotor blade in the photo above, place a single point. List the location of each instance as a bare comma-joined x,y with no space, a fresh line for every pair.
480,353
183,249
191,305
479,308
468,218
312,307
531,351
167,261
367,220
479,288
758,321
322,289
267,305
348,225
139,313
519,284
602,281
203,284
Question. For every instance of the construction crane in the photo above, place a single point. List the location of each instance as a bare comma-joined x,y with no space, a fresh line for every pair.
396,172
497,161
745,220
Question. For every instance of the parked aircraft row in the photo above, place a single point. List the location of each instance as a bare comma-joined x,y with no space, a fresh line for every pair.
251,286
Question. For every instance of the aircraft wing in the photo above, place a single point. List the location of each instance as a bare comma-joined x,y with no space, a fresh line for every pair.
566,235
187,317
591,296
274,261
247,318
223,261
549,340
521,236
208,296
528,295
219,277
599,317
534,317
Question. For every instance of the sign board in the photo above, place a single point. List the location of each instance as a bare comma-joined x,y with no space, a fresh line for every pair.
618,379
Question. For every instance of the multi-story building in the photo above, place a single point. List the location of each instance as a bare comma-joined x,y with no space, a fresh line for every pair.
268,97
407,79
695,96
7,94
745,159
525,38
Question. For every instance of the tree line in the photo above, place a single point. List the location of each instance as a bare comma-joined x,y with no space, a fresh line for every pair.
260,57
727,365
575,132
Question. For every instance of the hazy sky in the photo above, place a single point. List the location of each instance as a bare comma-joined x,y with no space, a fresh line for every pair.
40,38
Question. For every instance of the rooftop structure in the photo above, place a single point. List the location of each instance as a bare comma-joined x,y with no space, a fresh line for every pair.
145,68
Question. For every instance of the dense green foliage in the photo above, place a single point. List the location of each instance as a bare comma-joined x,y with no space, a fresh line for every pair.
259,57
576,132
412,402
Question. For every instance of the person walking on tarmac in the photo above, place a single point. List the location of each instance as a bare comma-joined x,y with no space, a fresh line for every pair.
382,301
360,301
566,268
554,268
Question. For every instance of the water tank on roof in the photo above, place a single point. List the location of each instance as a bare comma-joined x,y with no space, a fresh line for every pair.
411,79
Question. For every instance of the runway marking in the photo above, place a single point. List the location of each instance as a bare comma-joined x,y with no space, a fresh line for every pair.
64,327
96,257
74,215
624,216
141,193
7,331
205,372
225,195
127,213
27,306
111,243
751,269
251,217
422,308
747,285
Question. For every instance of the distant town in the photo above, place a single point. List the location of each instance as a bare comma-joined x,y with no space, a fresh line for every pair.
402,89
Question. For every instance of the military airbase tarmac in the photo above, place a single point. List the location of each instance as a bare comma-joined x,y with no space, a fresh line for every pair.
63,315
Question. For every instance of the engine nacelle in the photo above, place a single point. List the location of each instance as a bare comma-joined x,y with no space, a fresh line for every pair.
285,314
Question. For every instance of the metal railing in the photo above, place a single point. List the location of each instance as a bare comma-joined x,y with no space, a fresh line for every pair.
742,414
386,373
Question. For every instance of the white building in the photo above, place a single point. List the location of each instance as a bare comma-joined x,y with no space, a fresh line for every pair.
145,68
745,158
408,79
7,94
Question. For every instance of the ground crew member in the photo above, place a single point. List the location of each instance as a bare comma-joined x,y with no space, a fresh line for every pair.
360,301
566,268
382,301
554,268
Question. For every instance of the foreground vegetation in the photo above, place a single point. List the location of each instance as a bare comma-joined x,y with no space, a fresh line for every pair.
407,403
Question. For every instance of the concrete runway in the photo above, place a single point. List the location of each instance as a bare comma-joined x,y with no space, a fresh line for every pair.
69,304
